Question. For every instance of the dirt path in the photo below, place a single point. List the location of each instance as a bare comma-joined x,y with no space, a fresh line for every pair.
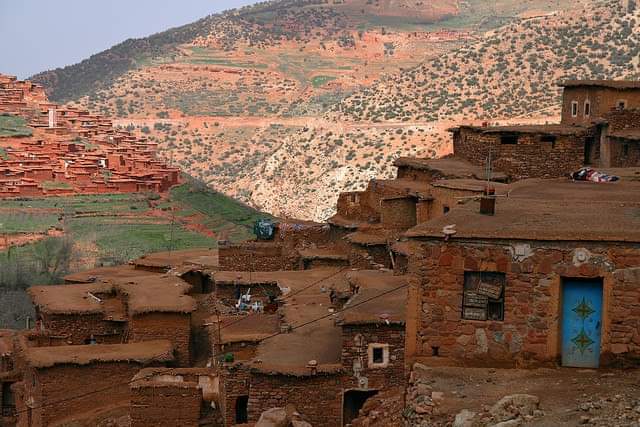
568,397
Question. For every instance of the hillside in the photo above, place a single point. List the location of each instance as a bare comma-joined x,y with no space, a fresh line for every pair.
513,72
264,103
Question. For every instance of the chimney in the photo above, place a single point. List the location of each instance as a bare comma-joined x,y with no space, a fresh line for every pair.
488,201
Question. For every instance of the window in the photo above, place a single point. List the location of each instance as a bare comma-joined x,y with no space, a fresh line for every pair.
587,108
508,139
378,355
445,209
574,108
549,139
621,104
483,296
625,150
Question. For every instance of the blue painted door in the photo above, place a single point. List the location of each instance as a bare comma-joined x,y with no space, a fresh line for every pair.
581,323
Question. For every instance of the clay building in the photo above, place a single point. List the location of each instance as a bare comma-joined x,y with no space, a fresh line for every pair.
176,397
597,128
115,310
67,383
9,375
550,278
585,101
331,365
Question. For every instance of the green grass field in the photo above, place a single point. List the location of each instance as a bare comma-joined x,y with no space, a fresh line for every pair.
13,126
113,228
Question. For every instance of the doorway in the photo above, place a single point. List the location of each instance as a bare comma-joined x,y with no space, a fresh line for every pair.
242,413
581,322
589,143
353,402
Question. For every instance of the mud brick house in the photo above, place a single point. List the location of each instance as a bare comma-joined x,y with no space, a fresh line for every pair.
550,278
9,375
598,127
176,397
328,368
585,101
115,309
65,383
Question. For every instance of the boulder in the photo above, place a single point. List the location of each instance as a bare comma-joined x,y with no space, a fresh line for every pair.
464,418
515,406
275,417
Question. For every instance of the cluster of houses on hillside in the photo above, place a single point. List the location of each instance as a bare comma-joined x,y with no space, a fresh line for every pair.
70,151
451,263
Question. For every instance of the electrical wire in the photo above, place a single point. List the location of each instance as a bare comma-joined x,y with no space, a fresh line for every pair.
387,292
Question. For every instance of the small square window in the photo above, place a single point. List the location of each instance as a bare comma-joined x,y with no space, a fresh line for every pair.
483,296
621,104
549,139
509,139
378,355
574,109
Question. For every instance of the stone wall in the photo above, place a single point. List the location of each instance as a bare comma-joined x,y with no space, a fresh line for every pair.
355,343
624,153
529,158
318,398
175,327
77,328
104,384
166,406
256,256
398,213
534,271
406,172
234,382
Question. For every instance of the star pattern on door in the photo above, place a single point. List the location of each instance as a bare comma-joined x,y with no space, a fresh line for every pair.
582,341
583,310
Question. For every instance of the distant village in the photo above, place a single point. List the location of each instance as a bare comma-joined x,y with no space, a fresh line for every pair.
71,151
522,249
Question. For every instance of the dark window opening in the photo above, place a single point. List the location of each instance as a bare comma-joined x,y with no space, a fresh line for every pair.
435,351
549,139
201,282
625,150
445,209
483,296
621,105
574,109
587,109
509,139
354,401
378,355
8,401
242,406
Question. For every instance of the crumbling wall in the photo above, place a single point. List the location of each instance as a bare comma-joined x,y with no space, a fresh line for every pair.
318,398
175,327
177,404
529,158
76,329
534,272
355,356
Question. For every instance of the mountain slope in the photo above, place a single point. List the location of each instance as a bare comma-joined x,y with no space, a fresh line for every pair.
514,71
288,102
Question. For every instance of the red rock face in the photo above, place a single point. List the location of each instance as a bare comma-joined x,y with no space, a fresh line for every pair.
60,150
